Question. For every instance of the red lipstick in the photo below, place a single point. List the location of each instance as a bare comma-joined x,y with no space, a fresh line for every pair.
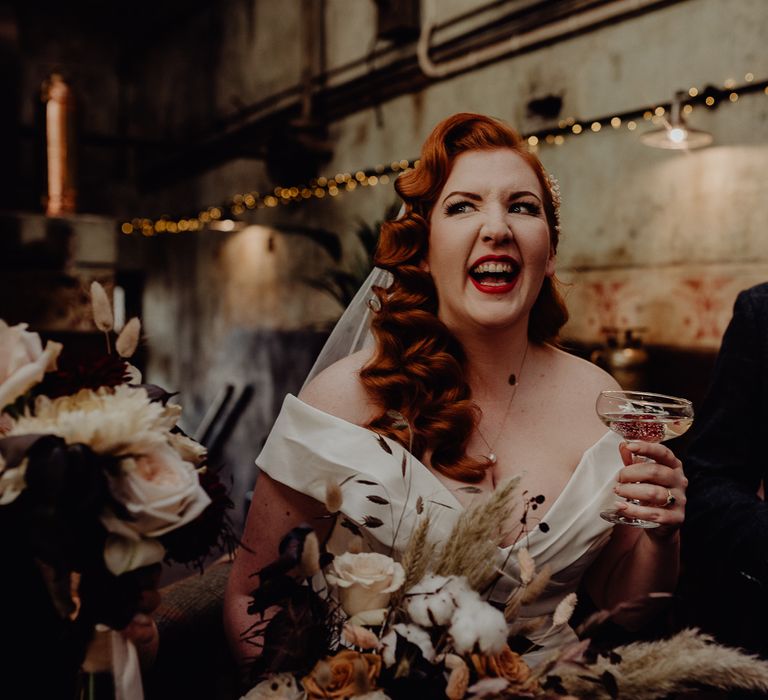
495,288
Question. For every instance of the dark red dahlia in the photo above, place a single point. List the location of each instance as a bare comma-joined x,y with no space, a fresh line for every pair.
77,372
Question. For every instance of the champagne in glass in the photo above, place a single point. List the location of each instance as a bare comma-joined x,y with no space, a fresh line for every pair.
639,415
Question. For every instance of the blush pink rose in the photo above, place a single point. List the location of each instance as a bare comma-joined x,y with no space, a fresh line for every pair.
23,361
161,492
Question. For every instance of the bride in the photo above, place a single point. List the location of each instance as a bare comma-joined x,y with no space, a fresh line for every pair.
464,351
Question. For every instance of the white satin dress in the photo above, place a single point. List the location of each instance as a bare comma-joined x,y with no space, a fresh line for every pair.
307,448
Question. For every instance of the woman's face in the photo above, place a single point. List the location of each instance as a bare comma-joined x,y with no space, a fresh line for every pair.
489,247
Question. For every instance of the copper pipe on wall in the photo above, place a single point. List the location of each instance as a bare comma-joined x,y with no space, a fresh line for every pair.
60,141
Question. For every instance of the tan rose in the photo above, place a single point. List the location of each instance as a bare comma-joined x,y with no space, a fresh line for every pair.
365,580
458,680
507,665
346,674
161,492
23,361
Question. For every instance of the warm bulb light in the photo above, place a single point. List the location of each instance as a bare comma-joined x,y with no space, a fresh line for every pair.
677,138
673,134
677,135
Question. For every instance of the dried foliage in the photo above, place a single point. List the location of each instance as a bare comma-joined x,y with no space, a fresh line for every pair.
418,554
102,308
128,340
471,550
649,670
532,586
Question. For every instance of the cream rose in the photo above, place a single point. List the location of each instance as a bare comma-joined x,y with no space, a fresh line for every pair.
161,492
365,580
23,361
189,449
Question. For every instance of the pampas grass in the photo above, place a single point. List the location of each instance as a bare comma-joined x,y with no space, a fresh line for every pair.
128,340
418,554
650,670
102,309
471,550
564,610
536,587
333,497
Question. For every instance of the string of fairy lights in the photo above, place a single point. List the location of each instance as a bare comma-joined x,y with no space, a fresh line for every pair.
222,216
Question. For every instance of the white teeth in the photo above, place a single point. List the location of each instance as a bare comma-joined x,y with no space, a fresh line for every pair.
495,267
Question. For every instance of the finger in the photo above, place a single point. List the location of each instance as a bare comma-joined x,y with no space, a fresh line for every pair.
650,473
141,629
672,517
626,456
655,452
650,494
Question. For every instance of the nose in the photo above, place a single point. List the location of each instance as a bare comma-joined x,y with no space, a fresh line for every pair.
495,228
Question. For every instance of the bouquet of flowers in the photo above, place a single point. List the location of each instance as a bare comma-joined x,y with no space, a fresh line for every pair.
363,626
98,485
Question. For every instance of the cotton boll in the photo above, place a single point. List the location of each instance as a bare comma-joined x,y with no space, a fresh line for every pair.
431,583
387,646
427,611
280,686
433,600
419,637
478,623
459,584
466,597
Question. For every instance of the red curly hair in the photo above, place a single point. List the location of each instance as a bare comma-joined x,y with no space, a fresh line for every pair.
419,367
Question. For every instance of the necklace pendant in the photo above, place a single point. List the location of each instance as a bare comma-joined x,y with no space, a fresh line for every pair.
492,458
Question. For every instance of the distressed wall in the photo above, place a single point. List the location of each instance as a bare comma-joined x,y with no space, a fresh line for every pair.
655,239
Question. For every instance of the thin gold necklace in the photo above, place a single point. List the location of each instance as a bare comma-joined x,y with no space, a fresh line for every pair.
514,382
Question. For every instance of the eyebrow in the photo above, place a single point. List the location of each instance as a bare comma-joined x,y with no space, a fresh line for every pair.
477,198
469,195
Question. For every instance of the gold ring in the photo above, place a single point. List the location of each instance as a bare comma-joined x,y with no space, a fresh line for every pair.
670,499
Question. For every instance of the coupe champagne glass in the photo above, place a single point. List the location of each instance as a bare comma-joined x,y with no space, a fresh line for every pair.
639,415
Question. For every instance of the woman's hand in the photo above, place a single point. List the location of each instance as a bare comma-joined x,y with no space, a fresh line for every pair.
659,485
142,630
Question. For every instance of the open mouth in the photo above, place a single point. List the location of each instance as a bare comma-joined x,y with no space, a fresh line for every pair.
494,276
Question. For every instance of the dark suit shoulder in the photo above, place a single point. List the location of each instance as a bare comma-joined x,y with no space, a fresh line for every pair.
757,295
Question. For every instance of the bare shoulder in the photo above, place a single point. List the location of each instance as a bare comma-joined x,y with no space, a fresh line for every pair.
580,374
577,383
338,390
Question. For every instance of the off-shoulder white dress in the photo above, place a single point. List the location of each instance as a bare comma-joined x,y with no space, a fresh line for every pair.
308,447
